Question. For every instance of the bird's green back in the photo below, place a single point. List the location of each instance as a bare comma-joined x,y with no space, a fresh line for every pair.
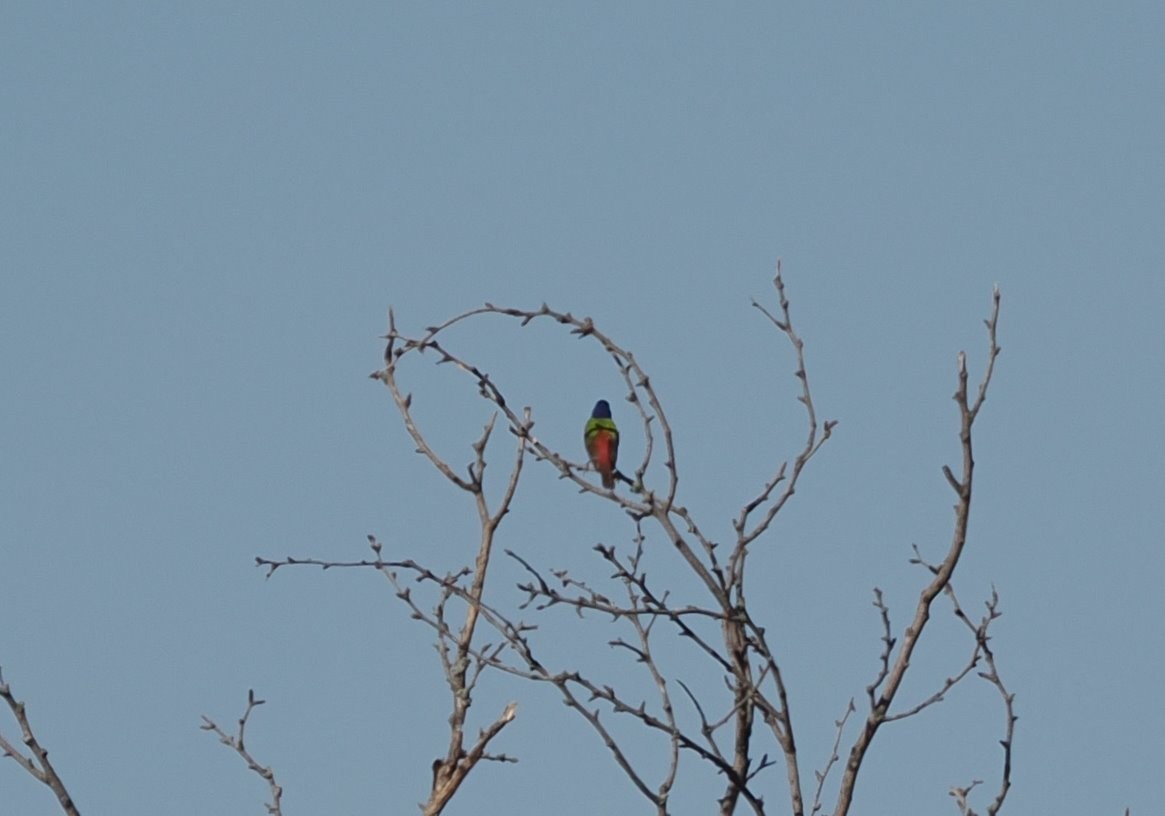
595,424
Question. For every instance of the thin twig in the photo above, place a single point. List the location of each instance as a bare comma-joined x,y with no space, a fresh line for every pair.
237,743
823,774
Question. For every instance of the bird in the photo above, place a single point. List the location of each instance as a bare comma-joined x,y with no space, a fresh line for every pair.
602,441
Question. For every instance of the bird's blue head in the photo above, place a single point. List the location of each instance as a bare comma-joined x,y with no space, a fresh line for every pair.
602,410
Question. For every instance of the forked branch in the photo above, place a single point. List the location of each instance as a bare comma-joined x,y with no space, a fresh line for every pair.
237,742
726,734
885,688
36,761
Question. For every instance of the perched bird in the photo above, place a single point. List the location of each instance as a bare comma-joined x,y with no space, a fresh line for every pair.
602,441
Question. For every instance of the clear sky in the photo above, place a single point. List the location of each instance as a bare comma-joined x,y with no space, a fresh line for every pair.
206,209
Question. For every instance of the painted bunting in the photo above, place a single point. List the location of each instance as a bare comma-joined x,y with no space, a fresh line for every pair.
602,441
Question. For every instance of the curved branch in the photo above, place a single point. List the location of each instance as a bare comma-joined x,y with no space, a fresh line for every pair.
880,702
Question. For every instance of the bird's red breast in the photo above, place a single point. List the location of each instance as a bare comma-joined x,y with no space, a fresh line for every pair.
603,450
603,447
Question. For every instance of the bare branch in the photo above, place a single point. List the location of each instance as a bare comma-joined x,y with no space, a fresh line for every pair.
647,658
651,605
706,728
823,774
812,443
447,777
888,643
237,743
752,674
592,717
991,675
37,761
890,682
961,794
993,349
640,394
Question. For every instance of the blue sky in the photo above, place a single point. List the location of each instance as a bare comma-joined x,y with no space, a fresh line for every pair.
208,208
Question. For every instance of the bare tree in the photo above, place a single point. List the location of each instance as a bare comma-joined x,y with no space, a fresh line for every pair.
734,734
